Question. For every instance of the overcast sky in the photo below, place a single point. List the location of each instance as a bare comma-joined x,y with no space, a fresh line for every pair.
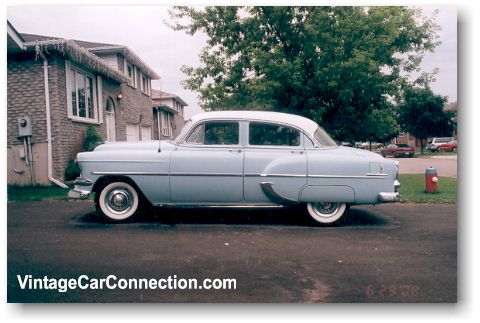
143,30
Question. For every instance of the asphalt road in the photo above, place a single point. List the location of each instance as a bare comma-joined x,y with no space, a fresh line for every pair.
387,253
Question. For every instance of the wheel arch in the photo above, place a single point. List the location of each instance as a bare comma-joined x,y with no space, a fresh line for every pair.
107,179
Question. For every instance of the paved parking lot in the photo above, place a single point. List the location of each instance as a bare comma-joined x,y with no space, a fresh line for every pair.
388,253
446,165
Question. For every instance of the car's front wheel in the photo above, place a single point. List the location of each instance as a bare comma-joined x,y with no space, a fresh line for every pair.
117,201
326,212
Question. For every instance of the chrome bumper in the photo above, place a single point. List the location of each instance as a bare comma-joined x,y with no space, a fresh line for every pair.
389,197
78,194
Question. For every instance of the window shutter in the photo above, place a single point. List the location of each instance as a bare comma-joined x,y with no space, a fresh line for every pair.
68,71
100,99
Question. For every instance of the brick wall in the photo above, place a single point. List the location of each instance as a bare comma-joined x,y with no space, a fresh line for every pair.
26,96
133,105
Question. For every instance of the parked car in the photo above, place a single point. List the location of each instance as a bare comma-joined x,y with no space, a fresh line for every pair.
435,143
398,150
366,145
237,158
450,146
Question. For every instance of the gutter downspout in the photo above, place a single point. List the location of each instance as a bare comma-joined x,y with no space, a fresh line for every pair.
49,125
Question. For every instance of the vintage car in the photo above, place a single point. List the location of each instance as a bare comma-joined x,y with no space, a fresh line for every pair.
237,158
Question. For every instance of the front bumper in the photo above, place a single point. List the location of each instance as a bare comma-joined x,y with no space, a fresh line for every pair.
76,193
82,189
390,197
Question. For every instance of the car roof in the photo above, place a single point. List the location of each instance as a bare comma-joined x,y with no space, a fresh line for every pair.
307,125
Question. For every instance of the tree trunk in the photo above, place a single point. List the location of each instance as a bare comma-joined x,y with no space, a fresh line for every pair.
421,146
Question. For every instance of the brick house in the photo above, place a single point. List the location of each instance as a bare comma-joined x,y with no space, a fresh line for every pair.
63,86
168,114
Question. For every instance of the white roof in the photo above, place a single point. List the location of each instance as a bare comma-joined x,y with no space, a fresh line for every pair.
307,125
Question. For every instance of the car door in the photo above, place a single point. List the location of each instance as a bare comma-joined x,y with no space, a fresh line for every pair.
207,168
275,163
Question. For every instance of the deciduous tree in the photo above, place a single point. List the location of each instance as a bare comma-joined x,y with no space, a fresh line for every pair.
337,65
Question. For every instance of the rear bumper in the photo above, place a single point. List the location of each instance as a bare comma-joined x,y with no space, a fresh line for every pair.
390,197
82,189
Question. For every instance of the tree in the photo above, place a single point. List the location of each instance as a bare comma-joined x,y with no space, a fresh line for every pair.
336,65
421,114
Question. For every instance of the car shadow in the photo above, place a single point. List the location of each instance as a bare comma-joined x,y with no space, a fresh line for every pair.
289,216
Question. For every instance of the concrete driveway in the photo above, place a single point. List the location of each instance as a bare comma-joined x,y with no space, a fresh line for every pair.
446,165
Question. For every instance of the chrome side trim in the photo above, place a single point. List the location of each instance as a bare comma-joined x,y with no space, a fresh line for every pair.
349,176
208,174
267,188
125,161
283,175
130,173
377,174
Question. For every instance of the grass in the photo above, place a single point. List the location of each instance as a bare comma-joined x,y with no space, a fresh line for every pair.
413,190
39,193
427,153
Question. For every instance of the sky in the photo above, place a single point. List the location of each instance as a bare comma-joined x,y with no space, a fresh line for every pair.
143,29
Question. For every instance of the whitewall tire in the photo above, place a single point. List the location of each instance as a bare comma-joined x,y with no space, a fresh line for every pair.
118,201
326,212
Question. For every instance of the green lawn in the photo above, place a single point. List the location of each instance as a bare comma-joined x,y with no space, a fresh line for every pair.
39,193
428,153
413,190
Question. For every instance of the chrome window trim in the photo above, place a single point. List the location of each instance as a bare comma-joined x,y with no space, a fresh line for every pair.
183,140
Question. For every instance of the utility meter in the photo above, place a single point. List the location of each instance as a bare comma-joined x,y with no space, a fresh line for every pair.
24,126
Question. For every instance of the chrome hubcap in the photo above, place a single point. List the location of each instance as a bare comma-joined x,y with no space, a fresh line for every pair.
326,209
119,200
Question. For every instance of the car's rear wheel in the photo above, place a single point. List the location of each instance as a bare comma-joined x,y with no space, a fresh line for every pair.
117,201
326,212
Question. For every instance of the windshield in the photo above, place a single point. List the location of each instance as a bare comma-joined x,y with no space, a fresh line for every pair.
323,138
185,129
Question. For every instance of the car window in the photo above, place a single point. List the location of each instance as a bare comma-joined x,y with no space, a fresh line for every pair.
215,133
267,134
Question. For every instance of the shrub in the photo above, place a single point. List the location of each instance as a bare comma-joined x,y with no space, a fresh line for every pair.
72,171
92,138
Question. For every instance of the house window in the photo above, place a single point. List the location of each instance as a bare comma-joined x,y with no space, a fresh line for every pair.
130,71
81,95
166,124
145,84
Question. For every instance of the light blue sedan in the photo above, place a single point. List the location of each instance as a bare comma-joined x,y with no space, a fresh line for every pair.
237,158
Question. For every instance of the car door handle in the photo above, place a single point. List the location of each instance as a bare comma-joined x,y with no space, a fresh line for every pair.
296,151
235,150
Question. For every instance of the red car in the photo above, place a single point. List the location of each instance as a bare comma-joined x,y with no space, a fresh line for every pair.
398,150
450,146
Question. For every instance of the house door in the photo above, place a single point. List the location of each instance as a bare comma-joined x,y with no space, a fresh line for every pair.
110,120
